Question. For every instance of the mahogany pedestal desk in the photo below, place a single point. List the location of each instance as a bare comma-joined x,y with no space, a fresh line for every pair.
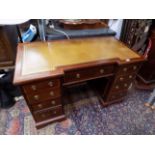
43,69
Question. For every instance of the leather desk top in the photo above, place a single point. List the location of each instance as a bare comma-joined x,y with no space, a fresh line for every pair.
39,57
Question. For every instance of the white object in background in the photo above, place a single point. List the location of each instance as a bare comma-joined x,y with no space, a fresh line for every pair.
116,25
12,21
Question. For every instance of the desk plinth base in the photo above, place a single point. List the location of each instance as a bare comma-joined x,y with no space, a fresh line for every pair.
107,103
52,120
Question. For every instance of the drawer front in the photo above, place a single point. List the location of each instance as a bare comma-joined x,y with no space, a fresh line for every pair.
125,78
115,96
48,114
39,86
46,104
43,96
126,69
87,73
121,86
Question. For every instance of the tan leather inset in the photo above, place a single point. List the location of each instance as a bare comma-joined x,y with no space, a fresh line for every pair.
47,56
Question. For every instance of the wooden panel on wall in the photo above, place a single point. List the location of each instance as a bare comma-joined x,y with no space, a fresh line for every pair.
8,44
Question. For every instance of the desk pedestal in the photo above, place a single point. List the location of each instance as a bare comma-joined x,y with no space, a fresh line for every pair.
111,82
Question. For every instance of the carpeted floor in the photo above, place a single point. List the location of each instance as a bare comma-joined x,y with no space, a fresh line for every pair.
85,116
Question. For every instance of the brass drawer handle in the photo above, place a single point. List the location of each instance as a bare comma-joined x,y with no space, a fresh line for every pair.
134,67
77,75
50,84
36,97
33,87
121,78
117,87
52,93
125,69
130,76
40,106
53,102
101,71
125,85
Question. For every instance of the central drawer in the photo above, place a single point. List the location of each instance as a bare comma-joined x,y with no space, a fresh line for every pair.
43,95
88,73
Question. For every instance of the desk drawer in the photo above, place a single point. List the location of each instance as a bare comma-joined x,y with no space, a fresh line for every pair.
43,96
46,104
37,86
130,68
88,73
121,86
48,114
125,78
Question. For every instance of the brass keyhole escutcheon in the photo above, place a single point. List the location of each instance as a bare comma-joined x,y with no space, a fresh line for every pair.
33,87
50,84
36,97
